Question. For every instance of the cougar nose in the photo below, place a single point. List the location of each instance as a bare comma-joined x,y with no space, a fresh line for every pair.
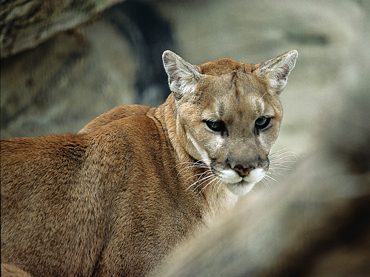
243,171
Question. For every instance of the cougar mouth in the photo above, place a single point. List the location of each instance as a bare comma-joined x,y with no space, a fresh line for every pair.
237,184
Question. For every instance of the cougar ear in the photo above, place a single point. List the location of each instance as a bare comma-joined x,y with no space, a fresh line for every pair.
276,70
183,77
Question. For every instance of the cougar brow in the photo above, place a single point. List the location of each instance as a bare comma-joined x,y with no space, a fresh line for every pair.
220,109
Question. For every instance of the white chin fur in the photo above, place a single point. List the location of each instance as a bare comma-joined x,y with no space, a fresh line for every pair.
240,189
234,182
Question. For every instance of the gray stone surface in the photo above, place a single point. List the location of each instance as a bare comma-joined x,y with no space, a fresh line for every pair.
64,83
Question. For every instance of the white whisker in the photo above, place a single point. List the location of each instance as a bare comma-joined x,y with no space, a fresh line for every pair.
219,185
200,179
265,182
215,179
281,160
271,178
191,165
276,167
204,180
282,154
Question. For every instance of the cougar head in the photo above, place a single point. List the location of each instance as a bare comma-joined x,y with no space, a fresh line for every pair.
229,114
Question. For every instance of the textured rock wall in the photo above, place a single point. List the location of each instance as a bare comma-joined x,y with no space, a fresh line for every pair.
64,83
73,77
26,23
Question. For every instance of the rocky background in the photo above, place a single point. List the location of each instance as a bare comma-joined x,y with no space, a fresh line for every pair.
73,76
58,81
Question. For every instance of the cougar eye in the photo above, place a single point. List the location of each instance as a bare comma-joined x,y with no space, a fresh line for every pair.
216,126
262,122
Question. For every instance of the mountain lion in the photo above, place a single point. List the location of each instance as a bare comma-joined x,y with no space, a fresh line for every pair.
115,198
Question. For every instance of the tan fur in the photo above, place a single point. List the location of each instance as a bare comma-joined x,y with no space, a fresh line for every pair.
117,197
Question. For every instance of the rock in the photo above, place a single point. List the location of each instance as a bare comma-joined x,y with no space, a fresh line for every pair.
67,81
25,24
324,32
62,84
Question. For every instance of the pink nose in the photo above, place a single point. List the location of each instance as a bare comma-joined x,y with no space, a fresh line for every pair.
242,171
